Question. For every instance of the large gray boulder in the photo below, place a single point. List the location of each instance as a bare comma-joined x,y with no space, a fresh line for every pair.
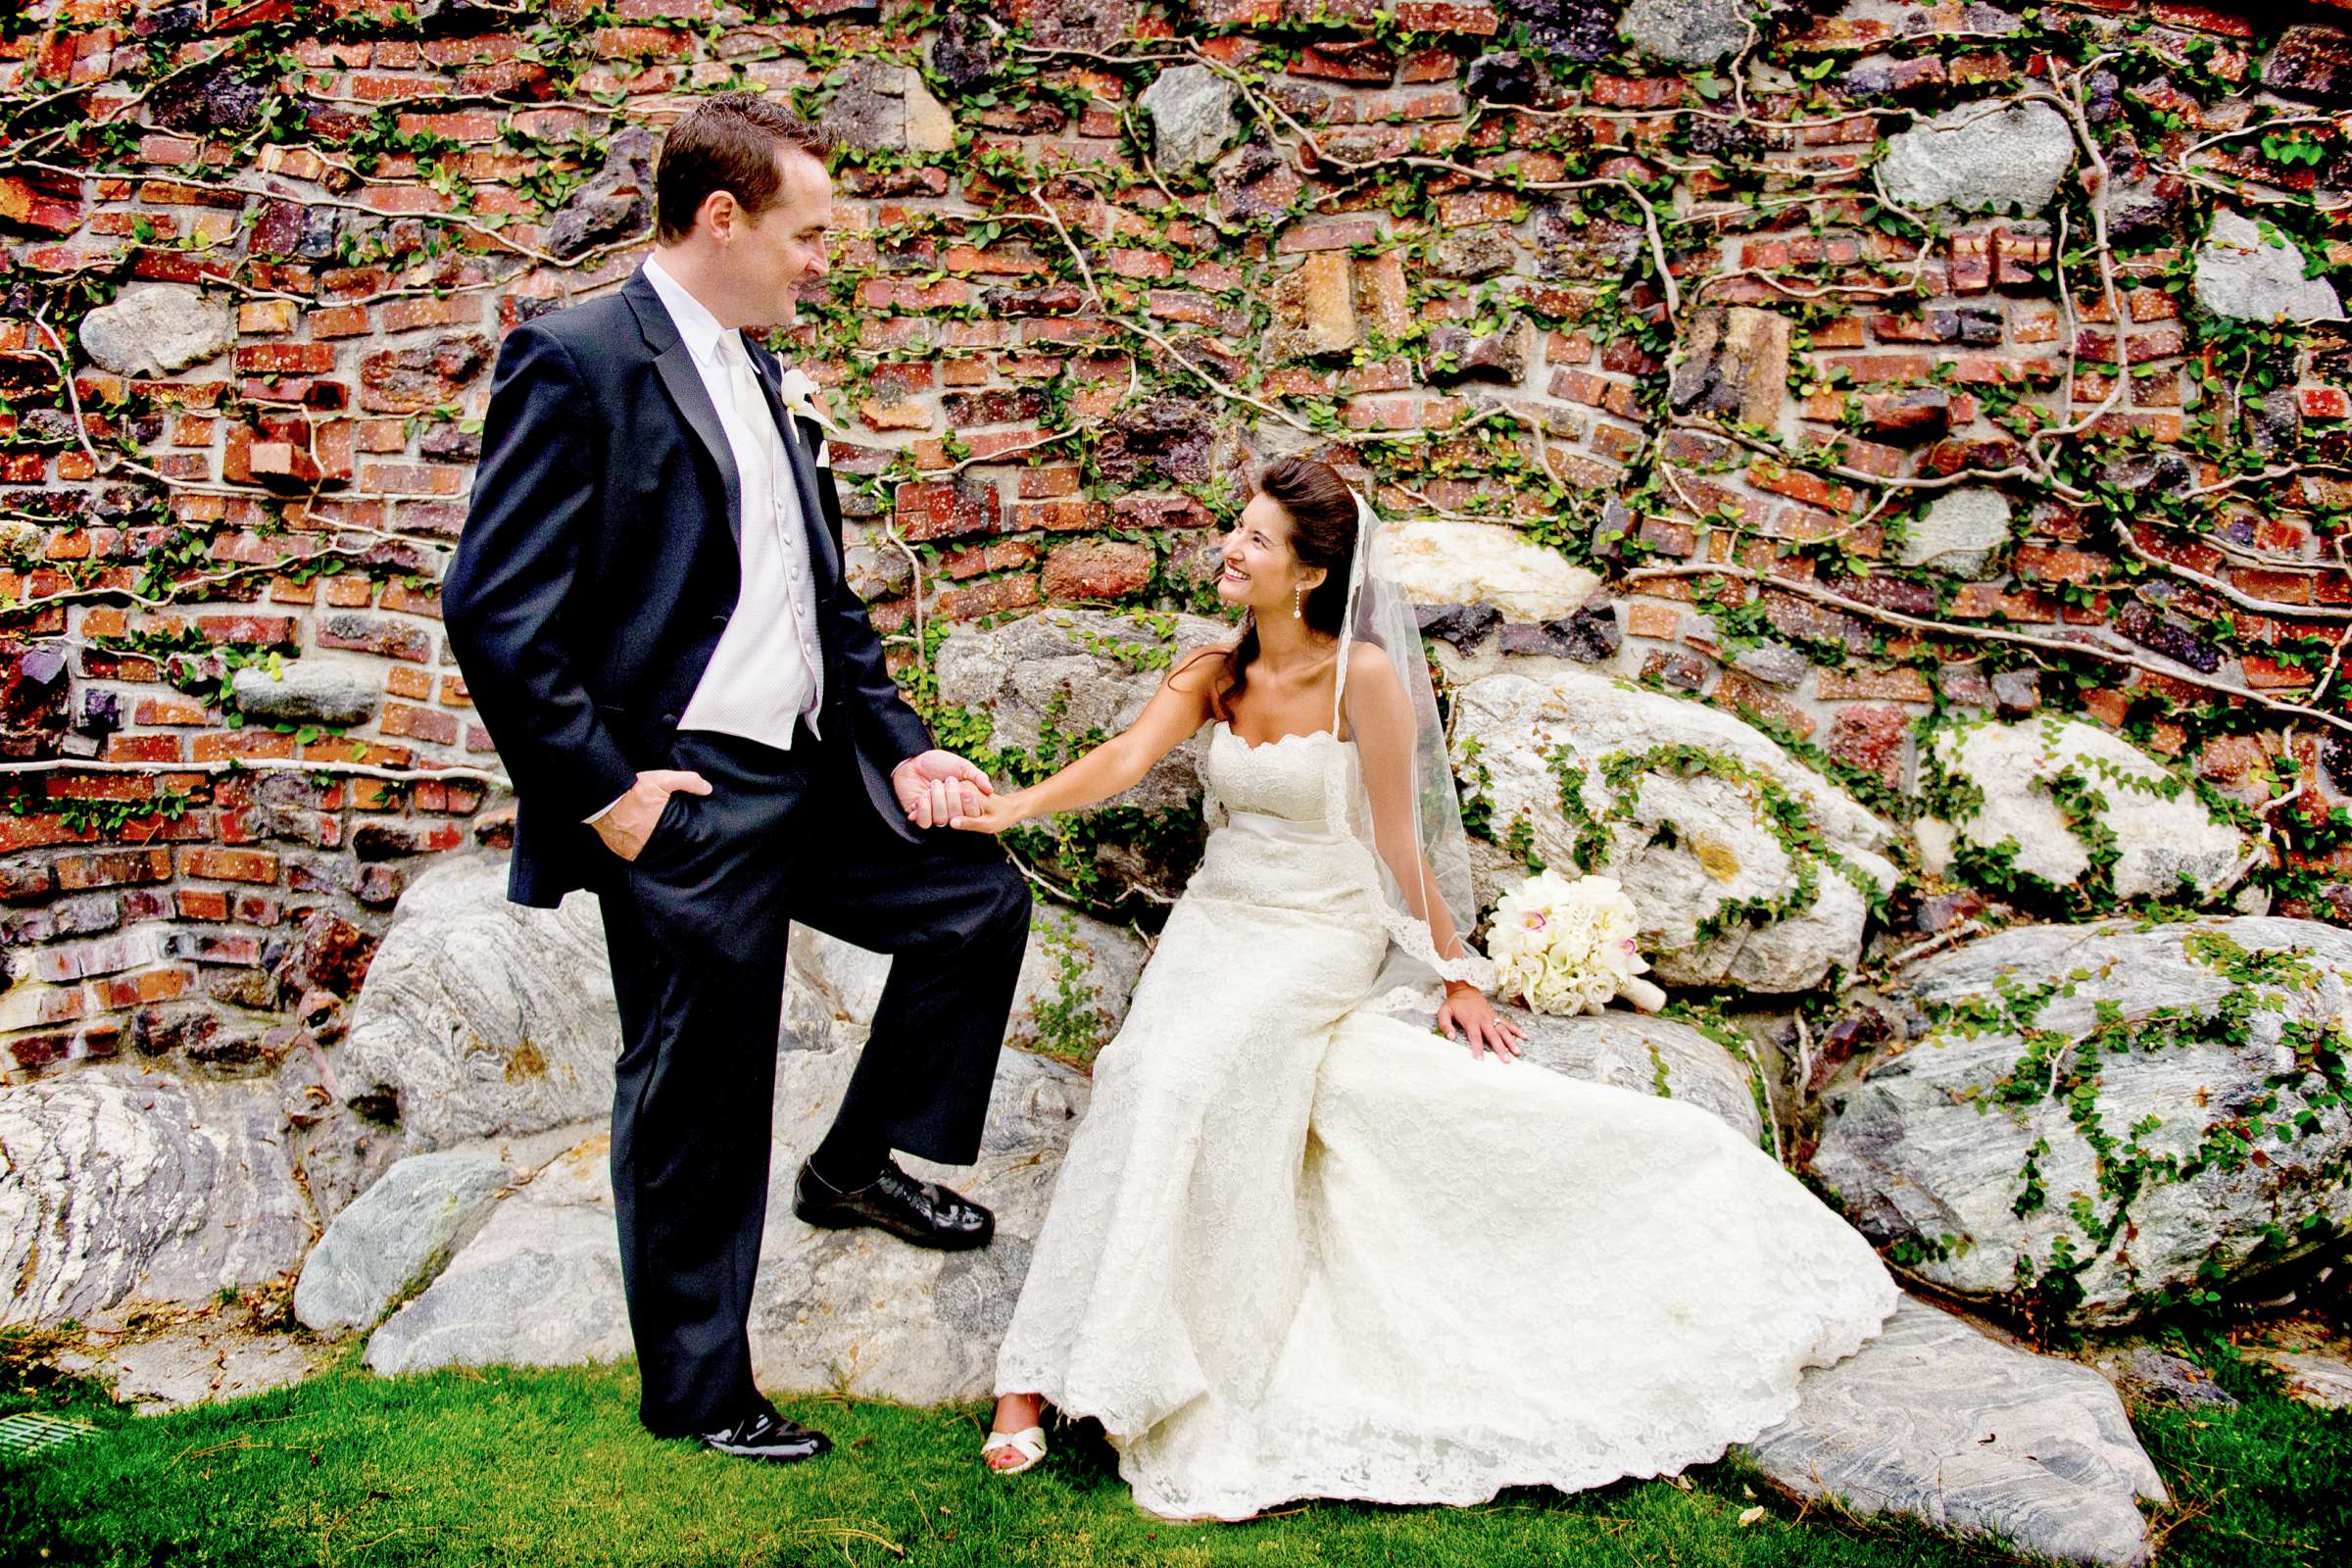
1988,156
1683,803
1064,673
483,1018
854,1311
1055,681
397,1236
2242,272
1937,1421
2097,1119
2017,793
120,1191
539,1285
1069,1002
1653,1055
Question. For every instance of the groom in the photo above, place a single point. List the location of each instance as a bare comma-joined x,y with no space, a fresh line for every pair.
649,608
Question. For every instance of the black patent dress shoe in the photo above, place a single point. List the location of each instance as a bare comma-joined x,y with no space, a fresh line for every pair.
765,1435
924,1214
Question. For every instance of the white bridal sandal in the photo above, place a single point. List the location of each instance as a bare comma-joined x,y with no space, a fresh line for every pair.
1029,1443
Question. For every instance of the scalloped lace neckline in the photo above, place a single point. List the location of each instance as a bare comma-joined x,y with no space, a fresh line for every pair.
1279,741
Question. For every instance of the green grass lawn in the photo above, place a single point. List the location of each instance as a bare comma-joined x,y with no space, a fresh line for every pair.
517,1466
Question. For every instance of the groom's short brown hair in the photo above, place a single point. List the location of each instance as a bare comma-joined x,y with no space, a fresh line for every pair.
727,142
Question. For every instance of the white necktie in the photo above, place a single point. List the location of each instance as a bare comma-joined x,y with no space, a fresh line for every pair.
751,409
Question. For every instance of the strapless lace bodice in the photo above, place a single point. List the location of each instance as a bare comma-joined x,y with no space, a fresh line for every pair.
1289,778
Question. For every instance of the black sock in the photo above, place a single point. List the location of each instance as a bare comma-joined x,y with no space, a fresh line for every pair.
849,1159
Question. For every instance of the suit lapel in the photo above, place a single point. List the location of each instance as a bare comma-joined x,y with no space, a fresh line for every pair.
684,383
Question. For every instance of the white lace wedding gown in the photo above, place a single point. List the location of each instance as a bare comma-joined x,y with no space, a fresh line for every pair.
1301,1248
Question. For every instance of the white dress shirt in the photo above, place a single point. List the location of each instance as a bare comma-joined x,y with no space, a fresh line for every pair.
768,669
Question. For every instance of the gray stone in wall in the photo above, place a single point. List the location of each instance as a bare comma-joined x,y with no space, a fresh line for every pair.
397,1236
2241,274
1501,356
1478,251
155,328
1190,110
1775,664
1736,363
868,110
1937,1421
615,202
1959,532
1449,562
118,1189
1987,156
1918,1148
1687,32
876,568
317,689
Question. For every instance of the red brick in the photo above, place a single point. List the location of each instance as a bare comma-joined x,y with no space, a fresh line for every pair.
990,597
229,866
287,359
112,868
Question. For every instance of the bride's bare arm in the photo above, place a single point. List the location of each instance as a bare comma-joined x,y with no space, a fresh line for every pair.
1176,710
1379,717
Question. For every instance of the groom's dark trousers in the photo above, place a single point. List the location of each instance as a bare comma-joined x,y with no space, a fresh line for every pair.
598,569
697,928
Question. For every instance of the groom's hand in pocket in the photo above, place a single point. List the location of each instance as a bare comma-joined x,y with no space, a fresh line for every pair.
630,821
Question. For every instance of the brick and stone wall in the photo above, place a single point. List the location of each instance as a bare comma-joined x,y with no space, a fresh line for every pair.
1884,363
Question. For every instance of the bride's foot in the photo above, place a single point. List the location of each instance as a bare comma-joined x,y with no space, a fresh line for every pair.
1015,1439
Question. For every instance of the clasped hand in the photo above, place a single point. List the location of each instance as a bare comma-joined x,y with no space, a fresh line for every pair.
935,787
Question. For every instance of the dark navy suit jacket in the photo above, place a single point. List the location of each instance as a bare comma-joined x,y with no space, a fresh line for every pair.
599,566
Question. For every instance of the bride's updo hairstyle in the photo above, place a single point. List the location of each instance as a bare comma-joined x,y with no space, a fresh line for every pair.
1321,509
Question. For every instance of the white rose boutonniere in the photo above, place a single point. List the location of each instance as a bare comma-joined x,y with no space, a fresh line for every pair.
800,395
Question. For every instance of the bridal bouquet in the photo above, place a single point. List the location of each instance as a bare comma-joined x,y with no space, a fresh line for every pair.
1568,946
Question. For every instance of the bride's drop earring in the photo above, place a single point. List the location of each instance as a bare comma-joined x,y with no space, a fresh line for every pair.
1298,603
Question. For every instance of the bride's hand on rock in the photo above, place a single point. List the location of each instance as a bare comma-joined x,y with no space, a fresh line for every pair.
1467,1014
993,813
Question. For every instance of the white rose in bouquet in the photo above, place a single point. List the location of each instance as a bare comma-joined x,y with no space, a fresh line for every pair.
1568,946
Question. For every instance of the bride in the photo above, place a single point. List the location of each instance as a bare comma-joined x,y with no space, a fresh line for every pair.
1301,1248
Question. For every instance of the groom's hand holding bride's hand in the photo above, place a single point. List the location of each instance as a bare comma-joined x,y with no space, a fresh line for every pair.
935,787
